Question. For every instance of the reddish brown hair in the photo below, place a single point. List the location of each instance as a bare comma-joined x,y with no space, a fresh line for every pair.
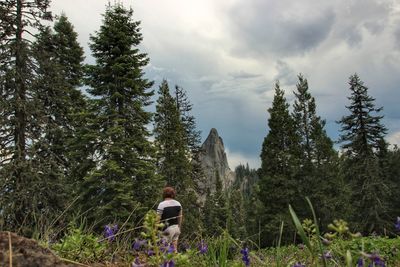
169,192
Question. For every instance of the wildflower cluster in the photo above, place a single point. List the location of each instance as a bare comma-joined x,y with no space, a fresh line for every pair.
110,231
138,244
145,253
397,224
203,247
375,260
245,257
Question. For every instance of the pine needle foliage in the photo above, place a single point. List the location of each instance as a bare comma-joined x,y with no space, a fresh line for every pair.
124,175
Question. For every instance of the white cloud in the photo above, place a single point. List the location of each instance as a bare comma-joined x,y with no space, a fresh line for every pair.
394,138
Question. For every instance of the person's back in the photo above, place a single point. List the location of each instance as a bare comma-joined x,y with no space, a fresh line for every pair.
170,212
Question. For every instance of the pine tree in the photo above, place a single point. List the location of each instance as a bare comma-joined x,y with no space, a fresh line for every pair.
124,177
171,142
58,57
362,133
192,140
69,56
319,162
279,163
192,135
174,156
19,120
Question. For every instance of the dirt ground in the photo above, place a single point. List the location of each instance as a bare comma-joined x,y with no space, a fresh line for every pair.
27,253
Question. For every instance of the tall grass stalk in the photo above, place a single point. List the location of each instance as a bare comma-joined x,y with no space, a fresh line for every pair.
321,248
218,250
300,230
306,240
278,249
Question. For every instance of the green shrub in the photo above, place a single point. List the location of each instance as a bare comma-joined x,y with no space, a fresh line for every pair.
387,248
81,247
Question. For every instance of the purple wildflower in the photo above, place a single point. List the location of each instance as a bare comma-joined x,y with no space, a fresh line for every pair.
397,224
245,258
377,260
171,249
150,253
138,244
163,245
203,247
299,265
110,231
360,262
170,263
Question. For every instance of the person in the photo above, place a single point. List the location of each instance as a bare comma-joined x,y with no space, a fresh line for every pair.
170,213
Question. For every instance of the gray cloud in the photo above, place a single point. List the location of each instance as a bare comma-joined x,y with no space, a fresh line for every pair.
267,27
262,27
286,75
359,16
396,34
374,27
243,75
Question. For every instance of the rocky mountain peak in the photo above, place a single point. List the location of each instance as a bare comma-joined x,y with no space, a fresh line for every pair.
213,148
214,160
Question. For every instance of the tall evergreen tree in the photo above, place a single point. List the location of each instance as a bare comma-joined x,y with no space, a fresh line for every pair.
319,162
192,139
124,176
279,163
170,139
69,56
174,155
19,118
362,130
362,134
58,57
192,135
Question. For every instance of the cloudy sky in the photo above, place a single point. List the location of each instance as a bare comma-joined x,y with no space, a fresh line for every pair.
227,54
